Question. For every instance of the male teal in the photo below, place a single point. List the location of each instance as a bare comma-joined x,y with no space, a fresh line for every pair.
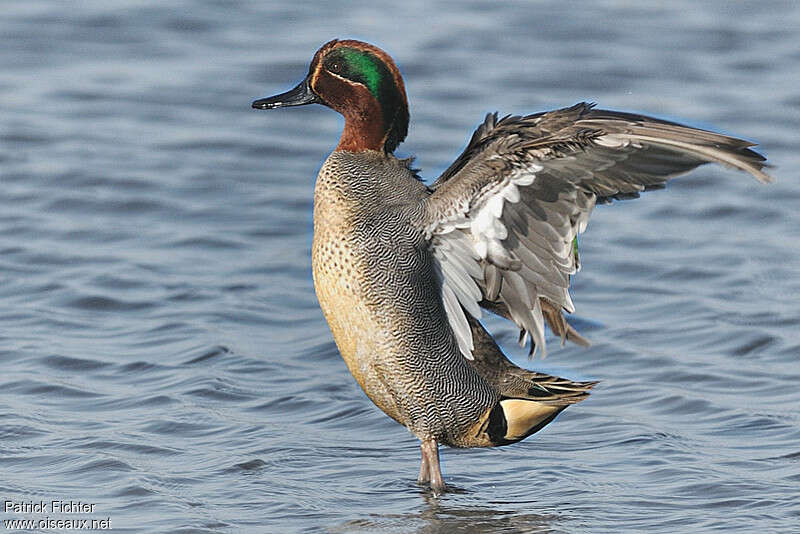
403,270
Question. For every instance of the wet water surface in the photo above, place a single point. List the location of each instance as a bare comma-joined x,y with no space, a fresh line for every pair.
162,354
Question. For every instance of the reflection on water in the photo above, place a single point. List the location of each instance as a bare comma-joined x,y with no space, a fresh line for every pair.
162,352
439,517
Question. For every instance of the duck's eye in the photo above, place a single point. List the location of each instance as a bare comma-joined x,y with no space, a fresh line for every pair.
335,67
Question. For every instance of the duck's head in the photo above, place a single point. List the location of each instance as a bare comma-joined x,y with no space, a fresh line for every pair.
361,82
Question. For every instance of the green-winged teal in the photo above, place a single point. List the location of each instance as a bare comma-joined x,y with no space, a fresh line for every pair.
402,269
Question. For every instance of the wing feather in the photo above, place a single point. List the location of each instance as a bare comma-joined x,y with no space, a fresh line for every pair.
503,218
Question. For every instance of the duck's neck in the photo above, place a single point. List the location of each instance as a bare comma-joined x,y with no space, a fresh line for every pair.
363,127
370,124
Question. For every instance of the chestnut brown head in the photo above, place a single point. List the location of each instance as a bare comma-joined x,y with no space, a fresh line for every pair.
361,82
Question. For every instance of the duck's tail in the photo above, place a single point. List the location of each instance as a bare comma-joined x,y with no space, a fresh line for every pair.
528,400
515,418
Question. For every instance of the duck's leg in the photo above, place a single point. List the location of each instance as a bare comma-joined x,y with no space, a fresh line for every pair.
424,468
430,471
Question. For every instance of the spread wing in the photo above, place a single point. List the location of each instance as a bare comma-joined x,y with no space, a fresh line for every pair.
502,221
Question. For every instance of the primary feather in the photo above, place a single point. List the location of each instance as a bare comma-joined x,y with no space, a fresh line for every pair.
524,188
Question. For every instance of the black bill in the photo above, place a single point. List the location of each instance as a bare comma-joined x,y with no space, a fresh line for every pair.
299,96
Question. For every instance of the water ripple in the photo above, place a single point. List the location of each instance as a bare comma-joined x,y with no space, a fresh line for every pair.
162,350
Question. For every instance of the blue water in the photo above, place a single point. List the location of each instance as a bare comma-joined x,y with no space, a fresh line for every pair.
162,355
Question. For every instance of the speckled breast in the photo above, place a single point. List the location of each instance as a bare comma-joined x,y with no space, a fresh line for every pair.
342,280
376,286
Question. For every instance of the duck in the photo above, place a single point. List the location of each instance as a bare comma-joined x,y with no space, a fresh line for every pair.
403,271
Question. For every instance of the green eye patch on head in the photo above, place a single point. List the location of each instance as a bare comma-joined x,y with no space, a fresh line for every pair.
363,67
372,71
367,67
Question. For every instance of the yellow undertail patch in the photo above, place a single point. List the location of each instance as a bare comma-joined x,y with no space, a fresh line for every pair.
523,415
